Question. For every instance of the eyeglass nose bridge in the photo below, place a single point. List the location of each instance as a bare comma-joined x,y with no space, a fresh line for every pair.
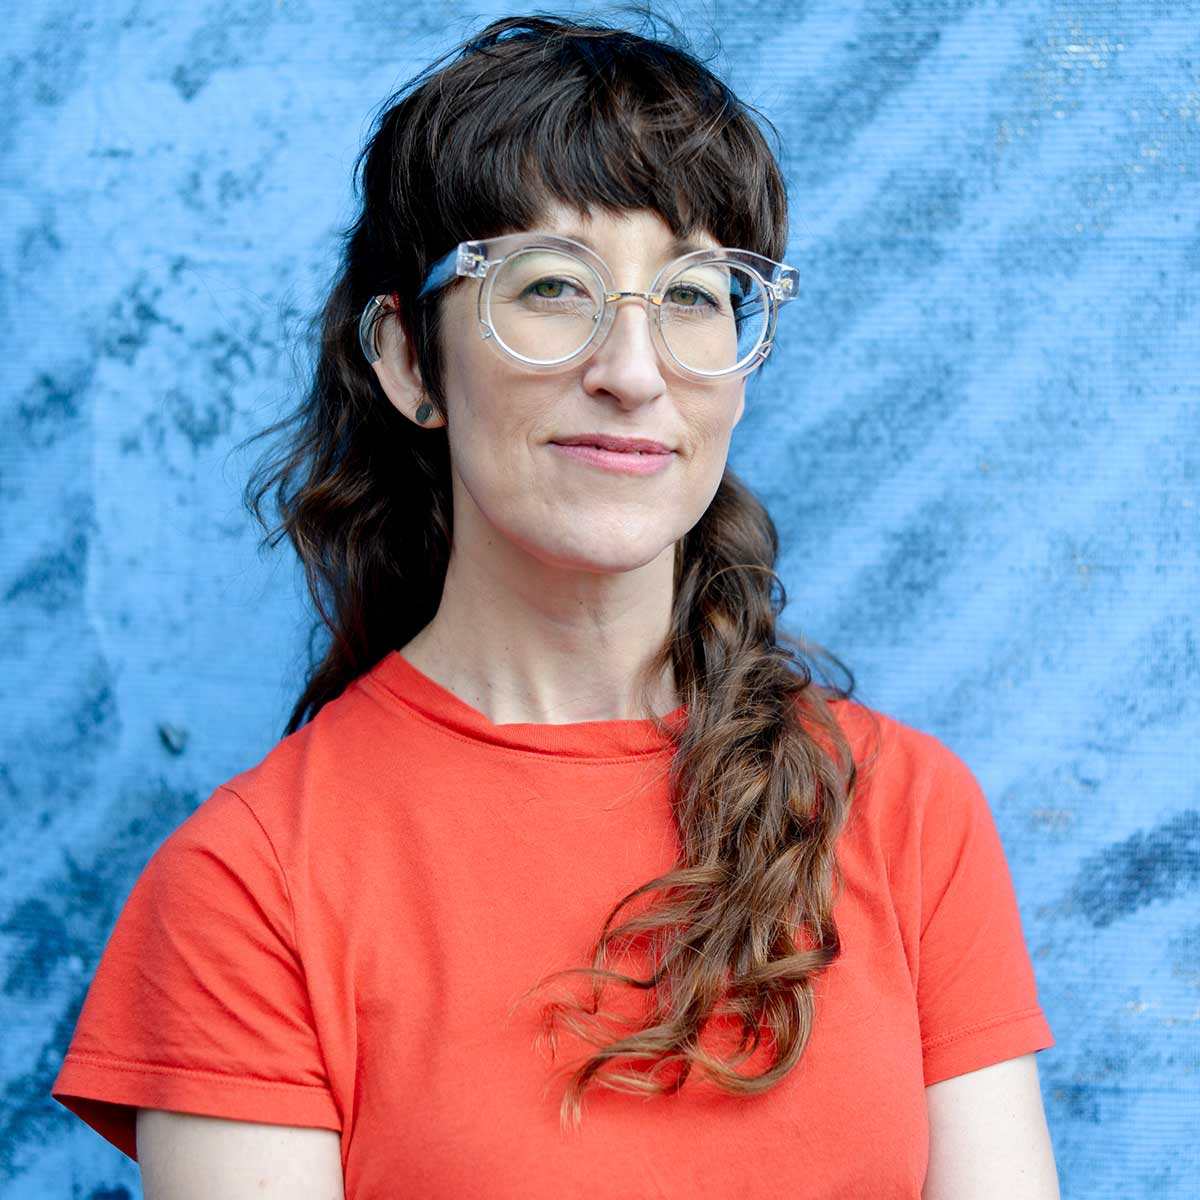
607,315
655,298
608,310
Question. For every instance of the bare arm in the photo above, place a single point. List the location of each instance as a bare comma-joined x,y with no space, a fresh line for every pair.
187,1157
988,1138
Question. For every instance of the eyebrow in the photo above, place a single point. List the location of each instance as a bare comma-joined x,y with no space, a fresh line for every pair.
685,246
676,248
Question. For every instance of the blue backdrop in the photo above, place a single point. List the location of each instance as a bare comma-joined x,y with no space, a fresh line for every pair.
980,439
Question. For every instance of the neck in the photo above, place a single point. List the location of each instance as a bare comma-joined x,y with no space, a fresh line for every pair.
548,646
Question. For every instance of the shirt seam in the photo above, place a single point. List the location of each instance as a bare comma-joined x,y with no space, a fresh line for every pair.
145,1067
939,1040
941,762
287,889
367,685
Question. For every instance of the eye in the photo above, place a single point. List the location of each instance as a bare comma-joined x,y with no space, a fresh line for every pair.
545,289
687,295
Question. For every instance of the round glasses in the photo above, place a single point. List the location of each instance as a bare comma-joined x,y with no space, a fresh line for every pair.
548,301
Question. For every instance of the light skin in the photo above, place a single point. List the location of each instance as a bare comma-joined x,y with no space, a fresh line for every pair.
988,1137
559,586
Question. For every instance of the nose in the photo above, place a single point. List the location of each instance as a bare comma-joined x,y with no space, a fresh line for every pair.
627,363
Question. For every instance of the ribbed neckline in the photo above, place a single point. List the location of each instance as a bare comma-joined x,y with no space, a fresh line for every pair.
403,681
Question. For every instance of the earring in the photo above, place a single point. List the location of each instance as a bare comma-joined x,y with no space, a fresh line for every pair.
424,412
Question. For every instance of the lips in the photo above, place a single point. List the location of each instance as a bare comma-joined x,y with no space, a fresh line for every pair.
622,445
621,462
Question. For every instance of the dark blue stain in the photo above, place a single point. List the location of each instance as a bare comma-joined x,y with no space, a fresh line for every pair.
1191,253
74,916
822,122
920,557
1078,1101
223,42
62,752
55,580
864,439
74,919
38,246
1145,867
825,112
134,319
54,65
54,928
95,710
30,1117
848,275
43,942
206,53
918,200
918,561
1184,949
51,407
229,359
1168,654
88,892
201,423
189,78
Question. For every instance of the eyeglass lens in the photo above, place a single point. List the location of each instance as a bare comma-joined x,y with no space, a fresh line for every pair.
545,304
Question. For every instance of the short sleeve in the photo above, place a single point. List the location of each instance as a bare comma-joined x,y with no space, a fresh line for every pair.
976,991
199,1002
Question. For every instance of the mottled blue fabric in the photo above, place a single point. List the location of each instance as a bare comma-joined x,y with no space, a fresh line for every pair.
979,436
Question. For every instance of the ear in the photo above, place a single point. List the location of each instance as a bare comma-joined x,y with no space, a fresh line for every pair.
396,368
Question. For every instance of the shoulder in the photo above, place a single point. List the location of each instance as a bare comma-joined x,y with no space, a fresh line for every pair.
345,733
302,788
909,780
899,753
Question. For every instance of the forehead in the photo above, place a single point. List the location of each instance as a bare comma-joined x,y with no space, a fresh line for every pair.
607,232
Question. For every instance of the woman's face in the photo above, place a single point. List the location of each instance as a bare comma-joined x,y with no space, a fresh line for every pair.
510,479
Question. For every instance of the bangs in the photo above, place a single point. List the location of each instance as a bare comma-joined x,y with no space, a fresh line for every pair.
613,123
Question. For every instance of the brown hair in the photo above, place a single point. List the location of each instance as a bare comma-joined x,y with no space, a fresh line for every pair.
761,776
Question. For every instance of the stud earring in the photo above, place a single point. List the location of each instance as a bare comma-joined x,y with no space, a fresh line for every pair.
424,412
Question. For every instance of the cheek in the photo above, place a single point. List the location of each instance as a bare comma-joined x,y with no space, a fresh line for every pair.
715,418
495,433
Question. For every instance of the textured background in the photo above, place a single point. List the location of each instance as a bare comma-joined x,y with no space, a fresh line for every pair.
980,439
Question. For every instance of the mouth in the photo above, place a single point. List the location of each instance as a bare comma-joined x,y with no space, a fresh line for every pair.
616,445
628,462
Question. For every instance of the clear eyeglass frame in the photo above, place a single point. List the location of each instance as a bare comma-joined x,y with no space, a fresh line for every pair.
481,260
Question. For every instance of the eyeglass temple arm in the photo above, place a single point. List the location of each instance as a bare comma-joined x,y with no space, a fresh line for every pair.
470,258
467,258
786,286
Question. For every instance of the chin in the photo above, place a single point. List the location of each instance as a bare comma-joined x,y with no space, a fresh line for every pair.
621,556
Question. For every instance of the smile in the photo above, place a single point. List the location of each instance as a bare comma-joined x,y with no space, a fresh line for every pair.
627,462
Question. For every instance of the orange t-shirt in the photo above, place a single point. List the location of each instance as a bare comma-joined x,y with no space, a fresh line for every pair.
334,939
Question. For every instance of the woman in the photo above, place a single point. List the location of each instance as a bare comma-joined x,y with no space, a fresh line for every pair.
557,724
